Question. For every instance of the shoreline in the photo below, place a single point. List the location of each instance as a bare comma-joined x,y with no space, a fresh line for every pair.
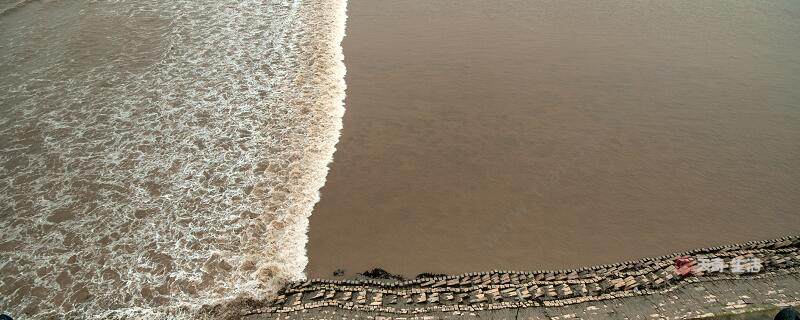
544,292
690,301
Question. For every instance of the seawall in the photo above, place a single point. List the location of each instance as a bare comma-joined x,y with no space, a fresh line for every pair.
671,286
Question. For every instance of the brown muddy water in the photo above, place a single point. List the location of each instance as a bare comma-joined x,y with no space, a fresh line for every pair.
160,155
549,134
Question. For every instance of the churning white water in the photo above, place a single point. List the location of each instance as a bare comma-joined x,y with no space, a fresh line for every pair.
161,153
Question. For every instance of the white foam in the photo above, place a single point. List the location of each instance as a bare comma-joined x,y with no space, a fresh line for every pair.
160,154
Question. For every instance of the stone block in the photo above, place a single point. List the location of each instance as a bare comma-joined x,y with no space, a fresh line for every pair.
509,292
477,298
630,282
361,297
447,296
317,294
524,293
296,299
618,283
581,289
550,291
420,297
377,299
494,294
564,291
537,292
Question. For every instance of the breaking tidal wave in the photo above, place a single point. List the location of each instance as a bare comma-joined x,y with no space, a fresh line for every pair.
157,154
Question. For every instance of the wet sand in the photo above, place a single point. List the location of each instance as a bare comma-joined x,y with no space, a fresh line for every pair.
548,134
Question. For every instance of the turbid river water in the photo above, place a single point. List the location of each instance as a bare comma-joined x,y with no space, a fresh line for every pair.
512,134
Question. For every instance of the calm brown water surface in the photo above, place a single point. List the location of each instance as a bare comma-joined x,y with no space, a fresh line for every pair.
548,134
